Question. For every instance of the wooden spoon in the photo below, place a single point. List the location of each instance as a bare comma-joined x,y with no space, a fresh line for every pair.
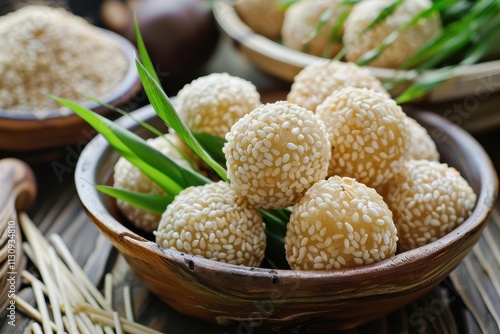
18,193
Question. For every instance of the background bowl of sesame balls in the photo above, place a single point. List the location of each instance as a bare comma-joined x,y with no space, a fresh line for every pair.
282,37
198,262
52,51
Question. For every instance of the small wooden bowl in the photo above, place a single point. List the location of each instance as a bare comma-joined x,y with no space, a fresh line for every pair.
25,132
284,63
286,299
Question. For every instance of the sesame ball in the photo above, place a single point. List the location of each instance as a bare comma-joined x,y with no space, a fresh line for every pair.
275,153
301,20
214,222
265,17
213,103
369,135
408,42
317,81
128,177
420,144
339,223
428,200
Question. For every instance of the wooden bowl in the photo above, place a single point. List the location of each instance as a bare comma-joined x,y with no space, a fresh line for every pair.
25,132
286,299
284,63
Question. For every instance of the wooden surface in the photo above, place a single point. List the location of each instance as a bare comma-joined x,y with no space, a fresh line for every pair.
446,309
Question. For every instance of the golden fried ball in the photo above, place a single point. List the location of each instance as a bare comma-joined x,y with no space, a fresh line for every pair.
428,200
213,103
214,222
265,17
408,42
339,223
369,135
301,20
317,81
275,153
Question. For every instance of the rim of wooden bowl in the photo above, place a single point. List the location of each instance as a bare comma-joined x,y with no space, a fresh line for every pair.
283,62
18,128
96,163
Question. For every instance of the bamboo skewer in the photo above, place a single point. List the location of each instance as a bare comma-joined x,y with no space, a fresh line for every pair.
30,310
77,305
102,314
42,306
47,279
71,323
129,314
65,254
118,325
36,329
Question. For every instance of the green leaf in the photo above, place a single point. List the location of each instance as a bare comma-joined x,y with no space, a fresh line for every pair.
148,127
284,4
110,131
386,12
163,107
275,251
424,85
468,31
375,53
323,19
143,53
336,33
454,44
183,176
213,145
275,224
455,11
459,31
122,112
149,202
335,36
400,79
484,45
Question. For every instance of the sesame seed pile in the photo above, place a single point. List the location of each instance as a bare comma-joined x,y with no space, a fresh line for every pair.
369,134
128,177
339,223
428,200
317,81
275,153
213,221
49,50
213,103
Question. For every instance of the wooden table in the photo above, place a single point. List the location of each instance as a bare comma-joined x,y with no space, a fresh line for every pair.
446,309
